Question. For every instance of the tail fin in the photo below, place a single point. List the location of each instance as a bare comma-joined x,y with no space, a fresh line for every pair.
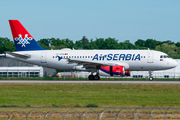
22,39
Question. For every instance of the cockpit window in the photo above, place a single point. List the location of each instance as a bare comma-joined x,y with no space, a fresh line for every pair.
164,56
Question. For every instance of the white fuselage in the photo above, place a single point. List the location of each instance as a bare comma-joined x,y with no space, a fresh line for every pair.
132,60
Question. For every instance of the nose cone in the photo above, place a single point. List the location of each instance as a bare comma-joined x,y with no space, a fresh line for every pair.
174,63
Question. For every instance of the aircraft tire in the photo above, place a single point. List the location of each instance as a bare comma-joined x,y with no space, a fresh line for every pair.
96,77
91,77
151,79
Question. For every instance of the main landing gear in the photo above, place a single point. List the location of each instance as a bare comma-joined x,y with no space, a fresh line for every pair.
94,77
150,76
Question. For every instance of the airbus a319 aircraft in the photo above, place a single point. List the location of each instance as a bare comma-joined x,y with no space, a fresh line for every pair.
117,63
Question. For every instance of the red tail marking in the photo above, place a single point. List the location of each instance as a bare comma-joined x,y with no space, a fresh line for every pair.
17,28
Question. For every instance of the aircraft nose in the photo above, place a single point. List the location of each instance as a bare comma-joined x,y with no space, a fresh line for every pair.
174,63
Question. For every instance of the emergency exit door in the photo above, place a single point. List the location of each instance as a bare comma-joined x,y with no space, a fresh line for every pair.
43,57
150,57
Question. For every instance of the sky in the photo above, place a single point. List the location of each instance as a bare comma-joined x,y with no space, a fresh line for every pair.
73,19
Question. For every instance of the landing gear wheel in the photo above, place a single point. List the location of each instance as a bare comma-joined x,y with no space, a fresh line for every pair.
91,77
150,76
151,79
96,77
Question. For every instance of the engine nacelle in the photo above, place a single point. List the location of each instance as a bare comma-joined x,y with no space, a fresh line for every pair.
127,73
112,71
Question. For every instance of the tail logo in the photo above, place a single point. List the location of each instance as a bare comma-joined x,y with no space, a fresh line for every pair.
23,41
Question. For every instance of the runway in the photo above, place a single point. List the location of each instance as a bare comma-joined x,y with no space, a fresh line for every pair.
88,82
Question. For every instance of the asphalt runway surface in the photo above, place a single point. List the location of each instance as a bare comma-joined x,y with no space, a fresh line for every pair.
89,82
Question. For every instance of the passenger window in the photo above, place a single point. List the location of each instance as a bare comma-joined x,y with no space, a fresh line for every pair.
85,56
77,56
74,56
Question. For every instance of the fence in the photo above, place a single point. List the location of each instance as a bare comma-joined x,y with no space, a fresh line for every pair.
93,114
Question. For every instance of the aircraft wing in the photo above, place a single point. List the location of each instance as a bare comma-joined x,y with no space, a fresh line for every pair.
26,56
95,64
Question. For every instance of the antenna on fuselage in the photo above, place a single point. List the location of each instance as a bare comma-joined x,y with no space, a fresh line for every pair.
148,49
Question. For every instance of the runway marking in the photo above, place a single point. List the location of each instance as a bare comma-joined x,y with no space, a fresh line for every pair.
89,82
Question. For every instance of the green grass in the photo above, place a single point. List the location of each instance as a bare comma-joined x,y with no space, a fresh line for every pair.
80,95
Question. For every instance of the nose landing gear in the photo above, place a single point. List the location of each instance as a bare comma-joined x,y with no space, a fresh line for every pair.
150,76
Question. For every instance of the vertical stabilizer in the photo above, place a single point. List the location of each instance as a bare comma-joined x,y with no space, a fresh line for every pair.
22,39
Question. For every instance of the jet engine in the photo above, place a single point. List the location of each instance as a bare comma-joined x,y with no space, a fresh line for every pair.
127,73
112,71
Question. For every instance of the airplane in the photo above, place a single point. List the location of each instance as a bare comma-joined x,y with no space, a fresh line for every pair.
113,63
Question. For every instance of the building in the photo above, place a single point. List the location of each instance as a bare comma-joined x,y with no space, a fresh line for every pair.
21,71
7,64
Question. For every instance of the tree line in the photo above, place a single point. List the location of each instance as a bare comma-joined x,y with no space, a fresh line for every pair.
169,47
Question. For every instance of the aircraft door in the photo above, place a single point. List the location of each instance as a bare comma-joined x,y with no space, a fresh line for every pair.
43,57
150,57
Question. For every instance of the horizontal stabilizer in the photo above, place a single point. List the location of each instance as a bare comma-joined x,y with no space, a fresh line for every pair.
26,56
2,55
